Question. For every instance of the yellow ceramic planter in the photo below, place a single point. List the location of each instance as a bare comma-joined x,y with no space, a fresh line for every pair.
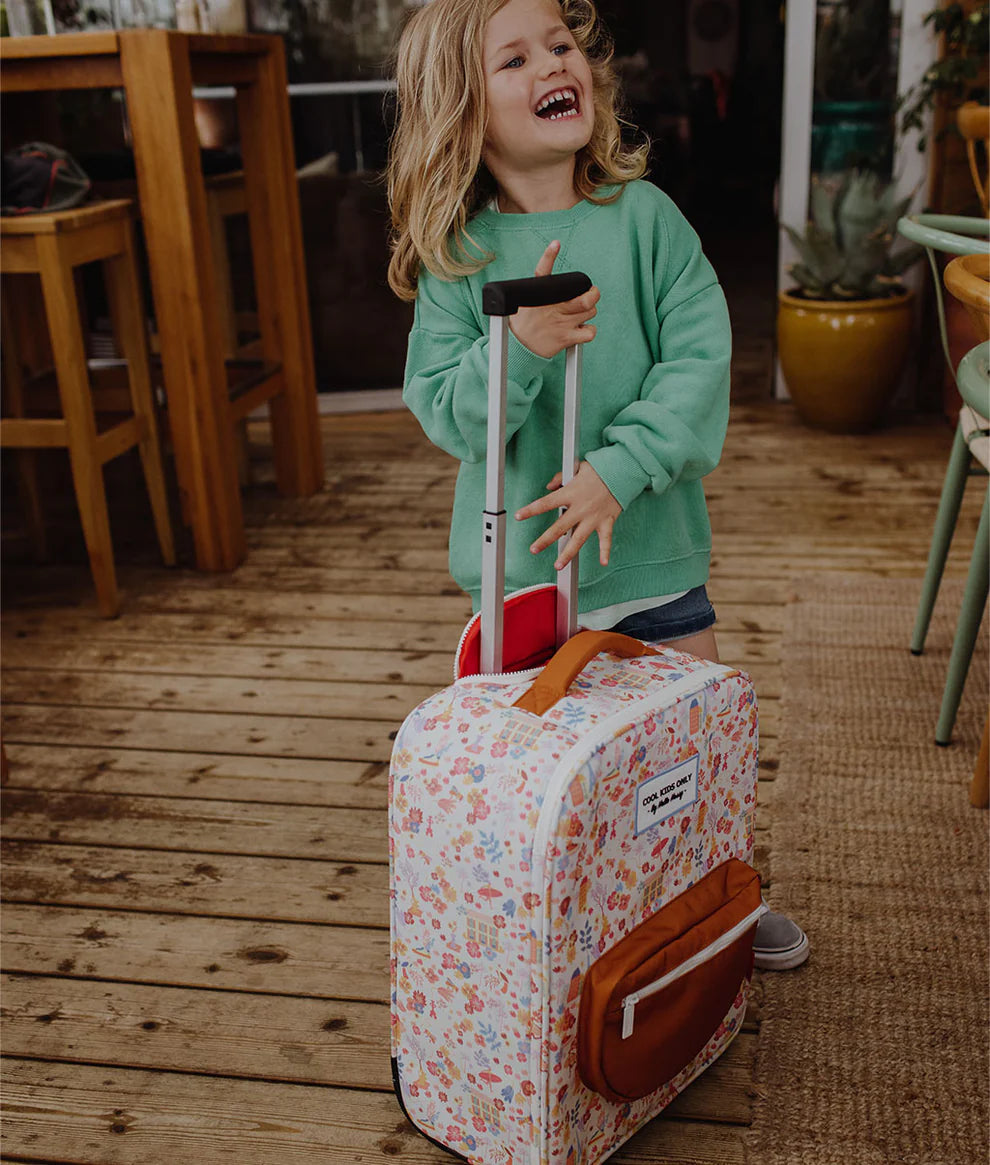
842,359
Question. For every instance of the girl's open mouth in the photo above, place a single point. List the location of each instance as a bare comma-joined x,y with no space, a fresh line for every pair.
560,103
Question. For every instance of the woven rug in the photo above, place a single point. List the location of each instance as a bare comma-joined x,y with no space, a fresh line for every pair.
876,1050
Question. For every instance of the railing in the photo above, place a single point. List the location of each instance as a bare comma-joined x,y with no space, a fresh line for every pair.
353,89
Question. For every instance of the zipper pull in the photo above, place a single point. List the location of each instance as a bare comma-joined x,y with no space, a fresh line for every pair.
628,1014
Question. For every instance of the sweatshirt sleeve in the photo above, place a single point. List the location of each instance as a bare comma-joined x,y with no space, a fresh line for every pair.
446,379
675,430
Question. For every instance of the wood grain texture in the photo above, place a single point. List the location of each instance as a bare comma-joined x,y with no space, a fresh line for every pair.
195,928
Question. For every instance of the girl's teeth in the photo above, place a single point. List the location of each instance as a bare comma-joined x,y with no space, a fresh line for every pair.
566,94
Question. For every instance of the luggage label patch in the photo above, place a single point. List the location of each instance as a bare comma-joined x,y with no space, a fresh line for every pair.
667,793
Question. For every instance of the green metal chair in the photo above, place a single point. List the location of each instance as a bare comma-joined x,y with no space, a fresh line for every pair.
973,379
945,233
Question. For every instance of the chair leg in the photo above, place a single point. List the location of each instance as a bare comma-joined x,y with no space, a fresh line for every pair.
979,789
228,320
77,408
123,291
945,524
967,627
26,460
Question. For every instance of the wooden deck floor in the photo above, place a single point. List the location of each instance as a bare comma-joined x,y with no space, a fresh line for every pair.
195,943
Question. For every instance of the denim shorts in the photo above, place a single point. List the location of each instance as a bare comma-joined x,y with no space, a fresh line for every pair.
688,615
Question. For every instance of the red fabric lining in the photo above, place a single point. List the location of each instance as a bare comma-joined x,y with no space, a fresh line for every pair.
528,635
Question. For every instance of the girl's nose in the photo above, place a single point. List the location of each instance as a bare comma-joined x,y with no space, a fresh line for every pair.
552,63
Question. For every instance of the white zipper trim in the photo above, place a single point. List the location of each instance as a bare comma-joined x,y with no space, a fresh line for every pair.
555,787
502,677
476,618
713,949
605,730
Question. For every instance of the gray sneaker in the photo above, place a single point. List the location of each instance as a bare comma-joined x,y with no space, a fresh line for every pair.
780,944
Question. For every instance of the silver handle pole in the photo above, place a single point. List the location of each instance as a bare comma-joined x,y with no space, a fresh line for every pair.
567,579
493,546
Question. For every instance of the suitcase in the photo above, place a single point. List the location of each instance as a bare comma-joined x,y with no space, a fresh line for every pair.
572,904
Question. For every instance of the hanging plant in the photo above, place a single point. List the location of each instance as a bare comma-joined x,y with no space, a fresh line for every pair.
954,78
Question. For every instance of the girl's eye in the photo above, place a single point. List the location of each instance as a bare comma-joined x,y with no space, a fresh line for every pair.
515,63
560,49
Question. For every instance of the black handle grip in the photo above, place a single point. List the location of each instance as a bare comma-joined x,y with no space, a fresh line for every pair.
507,296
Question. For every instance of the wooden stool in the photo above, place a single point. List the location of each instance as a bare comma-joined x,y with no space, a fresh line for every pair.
52,246
251,380
226,197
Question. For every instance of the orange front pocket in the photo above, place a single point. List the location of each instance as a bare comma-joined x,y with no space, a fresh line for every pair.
651,1003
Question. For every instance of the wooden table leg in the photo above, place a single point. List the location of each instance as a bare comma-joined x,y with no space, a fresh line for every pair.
127,311
158,90
280,276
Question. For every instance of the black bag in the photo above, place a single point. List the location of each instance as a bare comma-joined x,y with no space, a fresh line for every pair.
40,178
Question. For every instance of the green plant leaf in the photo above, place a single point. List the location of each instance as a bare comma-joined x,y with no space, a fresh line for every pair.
858,213
805,278
865,261
820,206
897,263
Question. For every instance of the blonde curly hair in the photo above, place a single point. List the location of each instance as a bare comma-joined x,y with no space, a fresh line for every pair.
436,178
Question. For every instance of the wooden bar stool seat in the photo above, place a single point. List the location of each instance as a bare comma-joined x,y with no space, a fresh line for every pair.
53,246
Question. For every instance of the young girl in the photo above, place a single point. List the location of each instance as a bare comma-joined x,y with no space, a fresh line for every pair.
506,160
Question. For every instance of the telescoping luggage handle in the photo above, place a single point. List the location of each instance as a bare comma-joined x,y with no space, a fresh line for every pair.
500,300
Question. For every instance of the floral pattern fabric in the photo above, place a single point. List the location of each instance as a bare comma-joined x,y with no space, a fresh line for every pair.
516,862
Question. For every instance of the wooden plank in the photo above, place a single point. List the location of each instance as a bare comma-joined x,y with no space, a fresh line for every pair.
320,962
209,776
275,736
78,1114
29,433
391,702
26,76
209,884
344,632
418,496
433,669
361,606
216,885
296,831
67,45
351,570
271,736
281,780
309,1041
205,630
306,1041
344,525
274,697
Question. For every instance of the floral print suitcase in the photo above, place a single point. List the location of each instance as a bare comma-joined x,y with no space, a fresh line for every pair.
572,904
525,847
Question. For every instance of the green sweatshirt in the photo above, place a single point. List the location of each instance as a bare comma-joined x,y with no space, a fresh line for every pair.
655,397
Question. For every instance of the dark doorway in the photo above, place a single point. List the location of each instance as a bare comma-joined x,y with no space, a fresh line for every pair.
704,79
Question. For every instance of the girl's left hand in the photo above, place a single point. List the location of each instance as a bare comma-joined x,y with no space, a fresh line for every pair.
588,506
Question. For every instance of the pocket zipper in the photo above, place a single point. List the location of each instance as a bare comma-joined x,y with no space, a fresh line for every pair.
723,941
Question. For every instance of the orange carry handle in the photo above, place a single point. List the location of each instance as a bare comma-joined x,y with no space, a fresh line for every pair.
552,683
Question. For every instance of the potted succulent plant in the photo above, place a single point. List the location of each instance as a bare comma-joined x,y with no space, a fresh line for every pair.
843,330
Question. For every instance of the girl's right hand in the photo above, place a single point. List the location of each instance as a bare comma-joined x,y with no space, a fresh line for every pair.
549,330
